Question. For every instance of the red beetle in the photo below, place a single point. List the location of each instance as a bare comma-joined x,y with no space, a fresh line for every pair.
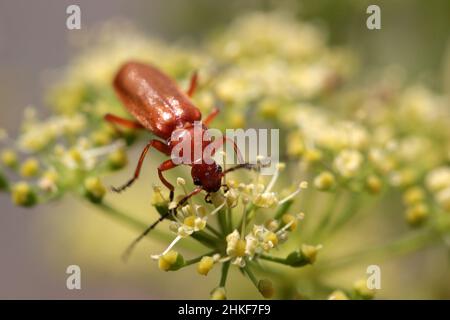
161,107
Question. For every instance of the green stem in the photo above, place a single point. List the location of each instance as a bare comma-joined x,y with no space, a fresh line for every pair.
222,219
325,218
225,269
349,212
273,259
251,276
397,247
283,209
205,239
230,220
248,215
130,221
214,231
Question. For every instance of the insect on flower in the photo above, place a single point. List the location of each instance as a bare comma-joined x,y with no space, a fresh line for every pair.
161,107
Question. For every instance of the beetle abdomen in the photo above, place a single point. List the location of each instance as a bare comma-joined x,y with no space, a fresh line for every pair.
154,99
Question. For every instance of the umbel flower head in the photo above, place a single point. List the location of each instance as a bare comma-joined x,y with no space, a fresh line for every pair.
355,143
230,229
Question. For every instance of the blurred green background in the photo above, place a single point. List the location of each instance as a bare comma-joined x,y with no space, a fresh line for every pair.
37,245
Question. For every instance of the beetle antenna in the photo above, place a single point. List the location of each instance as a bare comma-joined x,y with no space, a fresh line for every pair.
247,166
130,248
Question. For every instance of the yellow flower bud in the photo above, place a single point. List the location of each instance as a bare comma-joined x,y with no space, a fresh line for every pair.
171,261
269,109
417,214
205,265
373,184
30,168
94,189
361,289
218,294
313,155
310,252
9,158
413,195
76,155
443,199
266,289
338,295
289,218
237,120
118,159
272,224
265,200
295,146
101,137
272,237
23,195
324,181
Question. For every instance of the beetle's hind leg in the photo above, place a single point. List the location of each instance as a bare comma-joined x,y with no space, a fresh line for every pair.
158,145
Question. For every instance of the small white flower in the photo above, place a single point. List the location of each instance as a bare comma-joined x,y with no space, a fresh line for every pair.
348,162
438,179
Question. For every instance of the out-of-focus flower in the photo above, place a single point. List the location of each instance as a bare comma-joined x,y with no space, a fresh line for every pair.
348,163
23,195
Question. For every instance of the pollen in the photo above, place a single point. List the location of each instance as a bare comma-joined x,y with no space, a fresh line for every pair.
240,248
189,221
271,237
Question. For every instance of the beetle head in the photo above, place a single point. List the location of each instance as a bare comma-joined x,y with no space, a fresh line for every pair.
208,176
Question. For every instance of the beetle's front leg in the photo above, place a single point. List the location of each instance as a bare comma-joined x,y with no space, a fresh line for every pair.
167,165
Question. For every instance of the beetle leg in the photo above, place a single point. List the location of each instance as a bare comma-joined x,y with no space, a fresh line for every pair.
192,84
211,116
158,145
167,165
208,198
122,121
189,195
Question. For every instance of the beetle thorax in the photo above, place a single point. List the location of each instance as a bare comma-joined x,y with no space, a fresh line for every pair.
189,144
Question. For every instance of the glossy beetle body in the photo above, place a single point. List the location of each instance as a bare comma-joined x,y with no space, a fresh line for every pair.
154,99
161,107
